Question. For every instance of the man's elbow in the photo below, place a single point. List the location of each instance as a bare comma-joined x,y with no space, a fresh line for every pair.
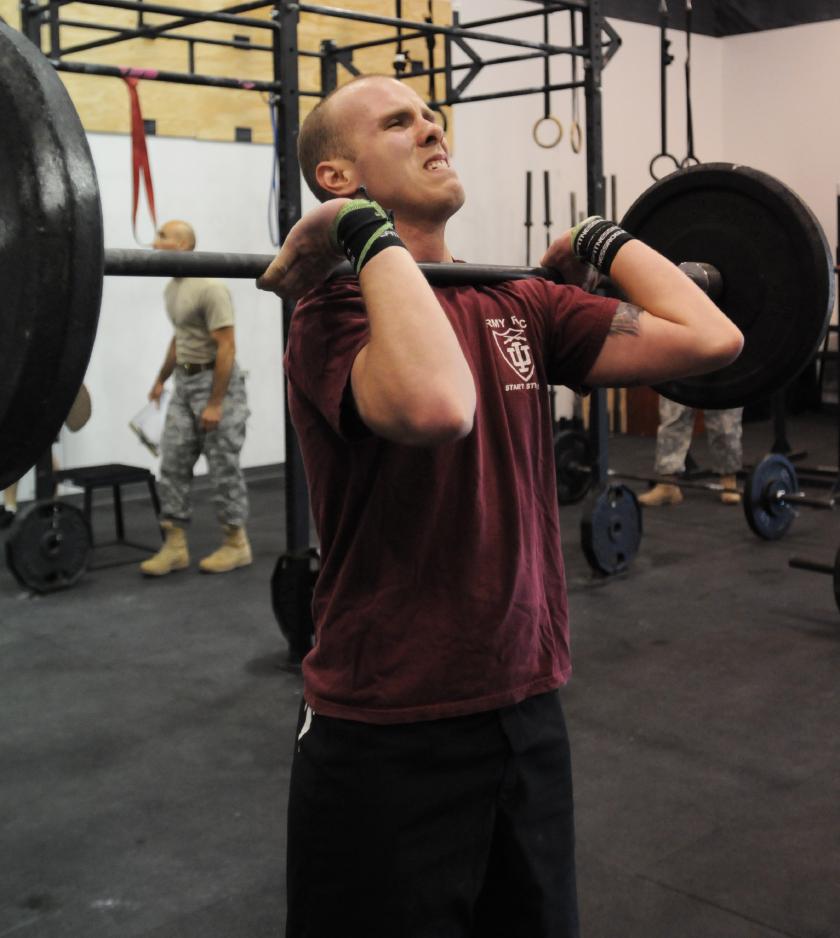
439,415
443,421
726,346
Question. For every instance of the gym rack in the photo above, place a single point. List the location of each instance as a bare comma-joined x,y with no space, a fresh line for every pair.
600,42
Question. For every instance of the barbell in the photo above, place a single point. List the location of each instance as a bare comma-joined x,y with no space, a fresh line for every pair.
770,497
739,232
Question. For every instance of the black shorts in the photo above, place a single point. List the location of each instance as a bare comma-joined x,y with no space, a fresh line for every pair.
457,828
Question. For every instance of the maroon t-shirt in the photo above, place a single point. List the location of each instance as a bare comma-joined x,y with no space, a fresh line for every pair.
442,590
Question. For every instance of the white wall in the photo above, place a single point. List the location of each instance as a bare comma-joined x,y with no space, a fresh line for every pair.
781,112
494,145
765,100
222,189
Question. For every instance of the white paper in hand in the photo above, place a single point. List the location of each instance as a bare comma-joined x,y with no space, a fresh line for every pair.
148,423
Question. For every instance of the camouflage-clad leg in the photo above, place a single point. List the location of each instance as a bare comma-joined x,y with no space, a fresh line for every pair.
222,445
222,448
180,448
673,437
723,429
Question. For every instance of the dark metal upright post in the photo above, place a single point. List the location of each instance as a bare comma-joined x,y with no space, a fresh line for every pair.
285,53
30,21
55,29
596,199
329,66
449,89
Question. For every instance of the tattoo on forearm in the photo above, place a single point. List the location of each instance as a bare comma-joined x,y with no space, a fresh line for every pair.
626,320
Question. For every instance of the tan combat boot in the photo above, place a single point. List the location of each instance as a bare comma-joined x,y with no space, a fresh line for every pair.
172,556
663,493
730,498
234,552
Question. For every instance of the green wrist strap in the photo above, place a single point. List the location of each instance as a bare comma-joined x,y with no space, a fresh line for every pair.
361,229
387,226
354,205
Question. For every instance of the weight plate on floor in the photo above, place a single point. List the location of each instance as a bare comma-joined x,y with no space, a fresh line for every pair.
51,255
768,516
611,529
774,261
48,546
292,586
572,465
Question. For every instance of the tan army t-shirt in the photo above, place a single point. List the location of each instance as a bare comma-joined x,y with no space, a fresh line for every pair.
197,306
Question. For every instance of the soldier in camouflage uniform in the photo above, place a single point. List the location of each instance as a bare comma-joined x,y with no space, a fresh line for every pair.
673,438
207,414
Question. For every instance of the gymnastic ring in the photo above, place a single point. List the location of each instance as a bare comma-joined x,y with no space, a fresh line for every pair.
552,120
660,156
690,160
575,137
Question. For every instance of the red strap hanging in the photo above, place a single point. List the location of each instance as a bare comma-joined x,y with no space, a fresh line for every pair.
139,157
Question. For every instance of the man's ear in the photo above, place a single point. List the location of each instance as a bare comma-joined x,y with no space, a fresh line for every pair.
338,177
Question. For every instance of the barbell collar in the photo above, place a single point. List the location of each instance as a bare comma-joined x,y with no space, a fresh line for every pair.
800,498
706,276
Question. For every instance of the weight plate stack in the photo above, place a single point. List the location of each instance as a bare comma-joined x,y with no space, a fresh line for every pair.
50,254
767,515
611,529
48,546
775,264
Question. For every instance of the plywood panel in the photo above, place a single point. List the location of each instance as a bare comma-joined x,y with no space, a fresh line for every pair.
215,113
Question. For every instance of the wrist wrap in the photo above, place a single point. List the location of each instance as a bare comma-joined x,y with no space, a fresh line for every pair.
597,241
361,230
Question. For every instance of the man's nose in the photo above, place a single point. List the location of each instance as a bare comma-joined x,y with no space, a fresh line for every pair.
432,132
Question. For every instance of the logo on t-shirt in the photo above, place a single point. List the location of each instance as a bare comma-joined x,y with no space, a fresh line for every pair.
514,347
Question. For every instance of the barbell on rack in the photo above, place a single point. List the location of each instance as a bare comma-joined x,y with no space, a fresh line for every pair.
746,232
770,497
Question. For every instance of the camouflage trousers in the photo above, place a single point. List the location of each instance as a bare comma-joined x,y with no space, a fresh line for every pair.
673,438
184,441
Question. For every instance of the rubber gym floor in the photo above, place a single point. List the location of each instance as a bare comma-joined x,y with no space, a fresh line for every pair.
147,731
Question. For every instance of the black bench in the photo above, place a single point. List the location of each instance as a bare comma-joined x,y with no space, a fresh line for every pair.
113,476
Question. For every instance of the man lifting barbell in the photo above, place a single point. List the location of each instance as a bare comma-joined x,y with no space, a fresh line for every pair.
441,607
430,791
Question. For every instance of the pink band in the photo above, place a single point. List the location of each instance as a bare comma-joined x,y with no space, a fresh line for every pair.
140,72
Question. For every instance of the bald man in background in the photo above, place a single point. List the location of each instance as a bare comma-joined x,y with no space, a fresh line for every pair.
207,414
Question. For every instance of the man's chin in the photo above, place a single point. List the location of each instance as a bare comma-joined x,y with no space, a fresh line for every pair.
446,204
434,207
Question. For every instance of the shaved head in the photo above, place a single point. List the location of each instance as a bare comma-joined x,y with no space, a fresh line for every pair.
324,135
180,232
